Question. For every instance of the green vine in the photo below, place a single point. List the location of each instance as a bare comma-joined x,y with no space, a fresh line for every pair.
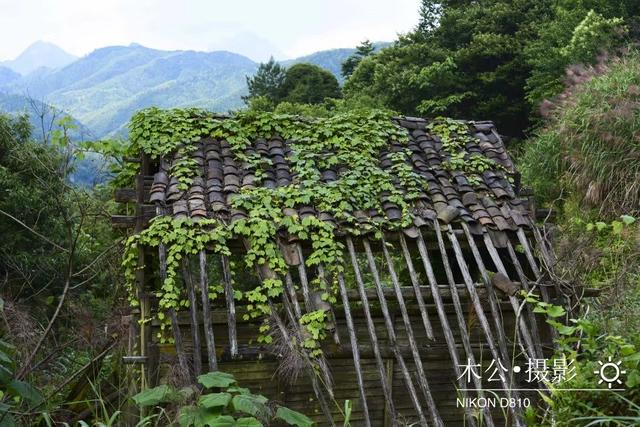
455,135
351,145
181,239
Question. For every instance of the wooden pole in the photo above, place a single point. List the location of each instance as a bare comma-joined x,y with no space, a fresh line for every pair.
231,305
530,314
304,283
416,287
206,313
484,324
354,348
336,336
496,313
448,334
386,389
532,263
522,238
528,348
422,378
193,311
392,335
175,327
312,375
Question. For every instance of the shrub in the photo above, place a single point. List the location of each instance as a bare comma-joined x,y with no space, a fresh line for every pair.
591,144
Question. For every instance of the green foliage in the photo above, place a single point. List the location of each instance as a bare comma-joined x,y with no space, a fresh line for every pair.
231,405
308,84
490,60
363,50
266,82
181,238
588,151
454,135
556,48
15,395
353,140
588,345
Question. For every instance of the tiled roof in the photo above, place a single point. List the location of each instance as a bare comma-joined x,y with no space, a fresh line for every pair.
449,195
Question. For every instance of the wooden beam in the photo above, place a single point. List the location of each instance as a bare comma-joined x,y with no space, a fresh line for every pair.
386,388
124,195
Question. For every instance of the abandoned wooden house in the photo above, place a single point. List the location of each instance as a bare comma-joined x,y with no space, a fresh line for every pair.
429,281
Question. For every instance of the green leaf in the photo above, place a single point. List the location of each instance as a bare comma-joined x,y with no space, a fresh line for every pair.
187,416
26,391
213,400
203,417
154,396
294,418
250,404
8,421
221,421
247,422
5,375
555,311
216,379
628,219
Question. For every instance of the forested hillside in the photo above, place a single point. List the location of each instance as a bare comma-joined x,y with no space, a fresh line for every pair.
104,88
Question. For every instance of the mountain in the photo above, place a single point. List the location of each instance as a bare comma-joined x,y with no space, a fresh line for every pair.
8,76
104,88
39,54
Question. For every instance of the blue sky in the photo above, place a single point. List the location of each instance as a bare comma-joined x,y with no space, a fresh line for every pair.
284,28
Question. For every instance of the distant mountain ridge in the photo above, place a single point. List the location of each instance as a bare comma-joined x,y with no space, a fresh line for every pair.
39,55
104,88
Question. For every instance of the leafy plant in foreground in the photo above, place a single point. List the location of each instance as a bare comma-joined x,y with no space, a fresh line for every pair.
224,404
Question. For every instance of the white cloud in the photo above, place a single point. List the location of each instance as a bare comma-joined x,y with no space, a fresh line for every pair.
289,26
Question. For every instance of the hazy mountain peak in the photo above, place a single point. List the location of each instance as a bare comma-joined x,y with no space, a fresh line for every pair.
39,54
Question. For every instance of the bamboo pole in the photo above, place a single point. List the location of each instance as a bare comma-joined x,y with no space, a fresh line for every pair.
285,334
530,314
422,379
231,305
386,389
193,318
416,287
392,336
354,348
522,238
532,263
206,313
496,313
448,334
304,283
482,319
336,336
312,375
175,327
528,348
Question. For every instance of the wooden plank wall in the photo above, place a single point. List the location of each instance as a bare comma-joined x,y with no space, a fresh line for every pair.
257,369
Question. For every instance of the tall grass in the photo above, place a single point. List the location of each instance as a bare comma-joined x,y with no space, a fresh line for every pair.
590,147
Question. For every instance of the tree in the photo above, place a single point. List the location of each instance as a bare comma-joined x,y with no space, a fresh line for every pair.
266,81
363,50
308,84
430,12
489,60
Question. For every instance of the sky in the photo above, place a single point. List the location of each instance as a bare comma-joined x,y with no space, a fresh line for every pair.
258,29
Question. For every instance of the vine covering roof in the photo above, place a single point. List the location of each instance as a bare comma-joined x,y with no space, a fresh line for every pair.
480,197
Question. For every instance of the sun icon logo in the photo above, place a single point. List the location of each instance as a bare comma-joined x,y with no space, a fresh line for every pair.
610,372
